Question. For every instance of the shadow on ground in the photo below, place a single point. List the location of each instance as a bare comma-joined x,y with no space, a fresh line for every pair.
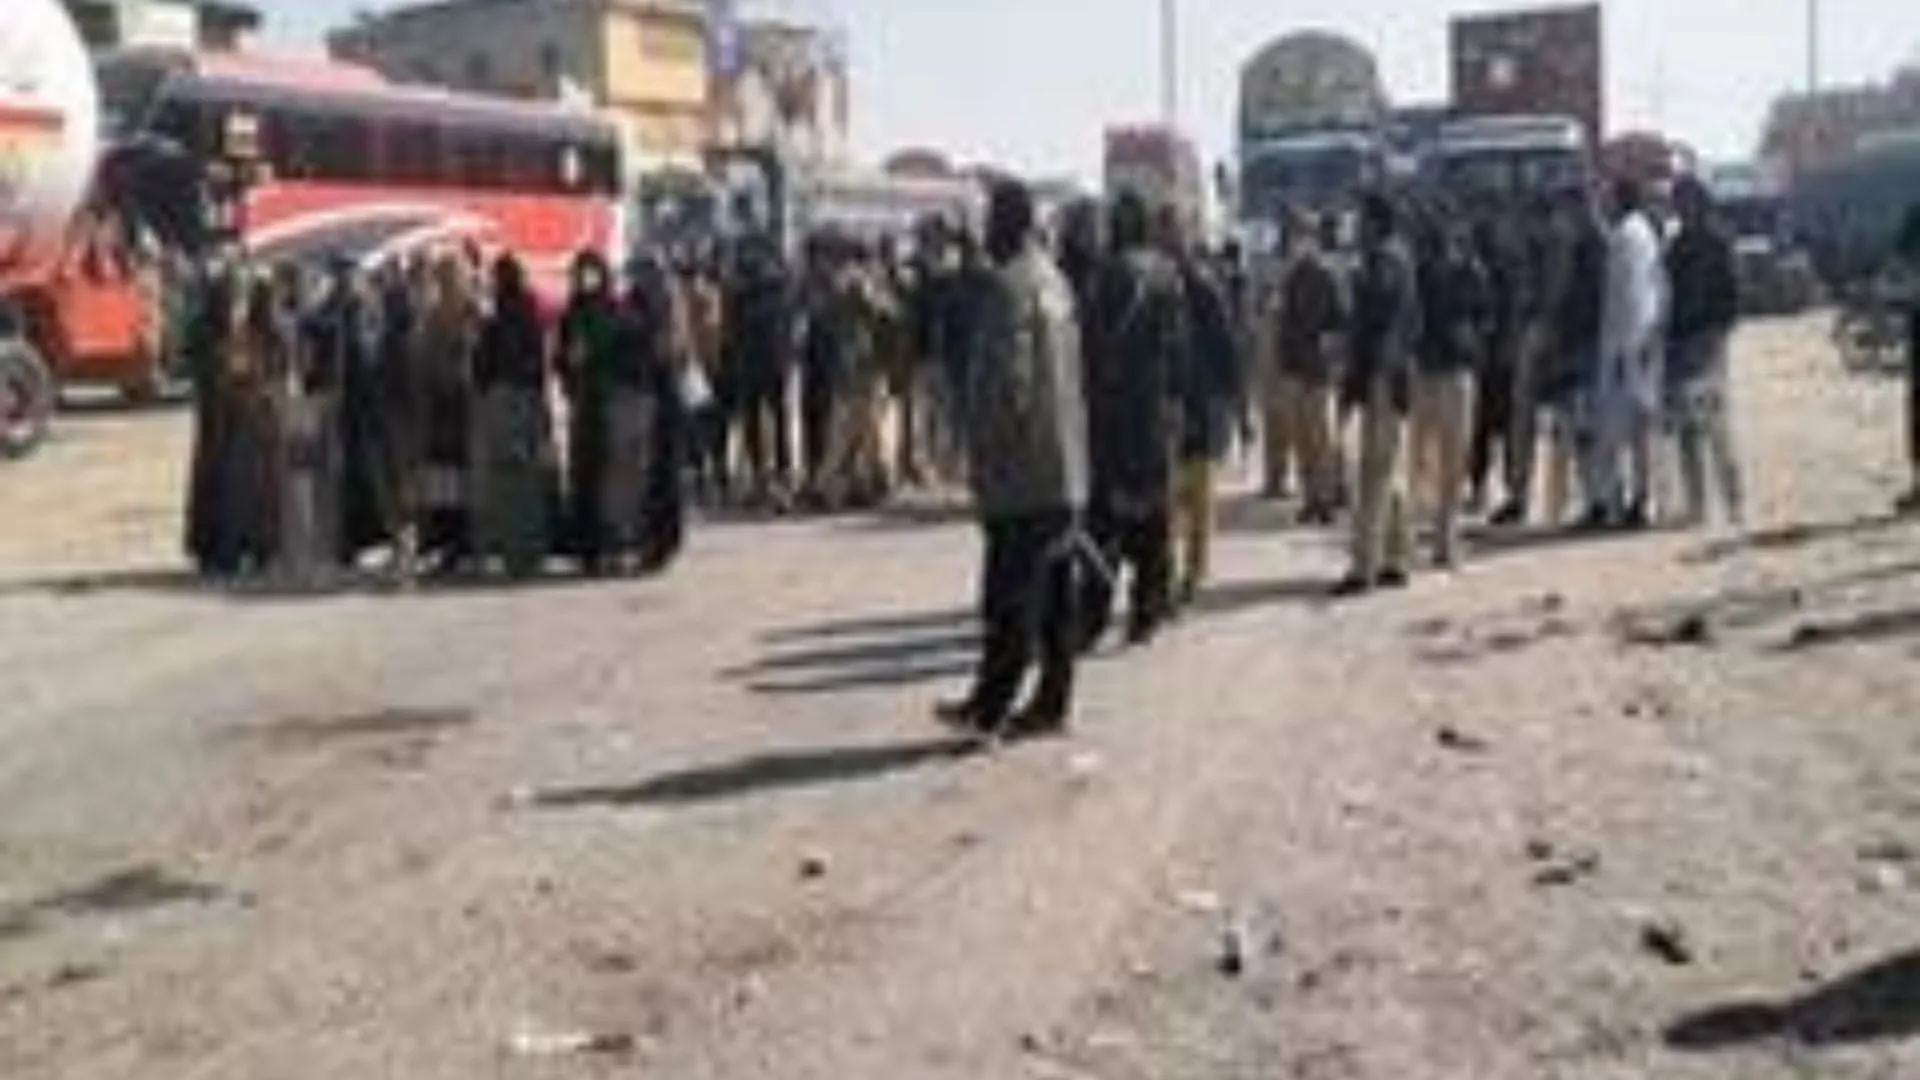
762,773
1875,1004
120,892
1798,535
182,581
1234,597
864,652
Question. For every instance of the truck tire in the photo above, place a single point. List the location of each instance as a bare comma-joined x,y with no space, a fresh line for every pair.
27,396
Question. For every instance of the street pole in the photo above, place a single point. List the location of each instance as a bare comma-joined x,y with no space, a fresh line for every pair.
1170,63
1813,46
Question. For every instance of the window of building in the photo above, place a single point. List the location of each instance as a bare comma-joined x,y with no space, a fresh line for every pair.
552,63
671,40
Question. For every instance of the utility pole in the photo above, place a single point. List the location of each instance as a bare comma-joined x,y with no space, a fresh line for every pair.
1170,62
1813,46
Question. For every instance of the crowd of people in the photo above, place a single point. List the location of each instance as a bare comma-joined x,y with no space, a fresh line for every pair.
1407,368
1111,375
417,412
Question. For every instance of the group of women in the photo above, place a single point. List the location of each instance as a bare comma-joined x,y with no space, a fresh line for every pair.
456,429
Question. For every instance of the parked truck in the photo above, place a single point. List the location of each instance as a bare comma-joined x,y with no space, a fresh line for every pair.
1528,100
1776,271
49,127
1311,126
1159,164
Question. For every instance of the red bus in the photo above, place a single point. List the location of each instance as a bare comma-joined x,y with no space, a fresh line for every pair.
309,161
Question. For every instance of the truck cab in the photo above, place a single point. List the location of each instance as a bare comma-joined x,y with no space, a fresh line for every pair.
1509,158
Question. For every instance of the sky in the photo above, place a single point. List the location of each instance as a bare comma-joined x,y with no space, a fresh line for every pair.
1030,84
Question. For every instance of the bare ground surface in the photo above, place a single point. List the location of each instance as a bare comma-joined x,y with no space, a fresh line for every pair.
1590,809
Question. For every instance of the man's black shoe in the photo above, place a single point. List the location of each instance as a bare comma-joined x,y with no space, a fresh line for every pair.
1596,520
964,716
1509,516
1353,585
1394,579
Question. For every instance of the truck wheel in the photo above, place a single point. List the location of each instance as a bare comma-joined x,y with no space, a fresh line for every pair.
26,399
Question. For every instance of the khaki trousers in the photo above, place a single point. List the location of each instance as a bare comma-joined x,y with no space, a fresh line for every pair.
1196,517
1278,439
1382,539
1442,443
1307,415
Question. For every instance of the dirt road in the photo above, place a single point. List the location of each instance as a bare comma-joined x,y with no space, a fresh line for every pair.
1589,809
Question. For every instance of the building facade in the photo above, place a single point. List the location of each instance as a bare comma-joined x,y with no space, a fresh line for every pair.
1808,134
186,24
644,62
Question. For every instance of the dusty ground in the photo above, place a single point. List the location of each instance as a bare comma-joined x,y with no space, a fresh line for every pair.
1634,808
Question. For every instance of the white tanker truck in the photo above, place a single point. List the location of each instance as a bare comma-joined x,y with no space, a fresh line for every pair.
49,134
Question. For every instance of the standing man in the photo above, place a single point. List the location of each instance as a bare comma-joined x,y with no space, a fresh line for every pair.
1910,251
1706,303
1576,285
759,334
1455,305
1134,362
1212,400
1386,331
1499,405
1027,420
1627,394
1311,316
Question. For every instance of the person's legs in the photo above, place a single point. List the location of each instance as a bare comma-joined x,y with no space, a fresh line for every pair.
1492,424
1150,543
1058,626
1005,620
1523,431
1379,511
1197,515
1913,398
1599,422
1645,377
1425,427
1276,435
1453,431
1563,453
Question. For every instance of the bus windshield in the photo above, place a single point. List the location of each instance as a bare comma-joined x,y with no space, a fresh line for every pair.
1510,173
129,90
1279,177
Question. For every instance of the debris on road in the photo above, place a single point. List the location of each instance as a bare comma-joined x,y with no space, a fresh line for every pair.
1668,941
814,865
1695,629
1452,738
1568,870
531,1043
1236,949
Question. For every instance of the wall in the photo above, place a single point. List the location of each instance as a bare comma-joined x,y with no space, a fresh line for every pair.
515,48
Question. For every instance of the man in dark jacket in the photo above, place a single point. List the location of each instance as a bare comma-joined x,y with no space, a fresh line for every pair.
1705,304
1027,430
1455,304
1134,362
759,346
1311,318
1498,408
1211,392
1577,297
1386,332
